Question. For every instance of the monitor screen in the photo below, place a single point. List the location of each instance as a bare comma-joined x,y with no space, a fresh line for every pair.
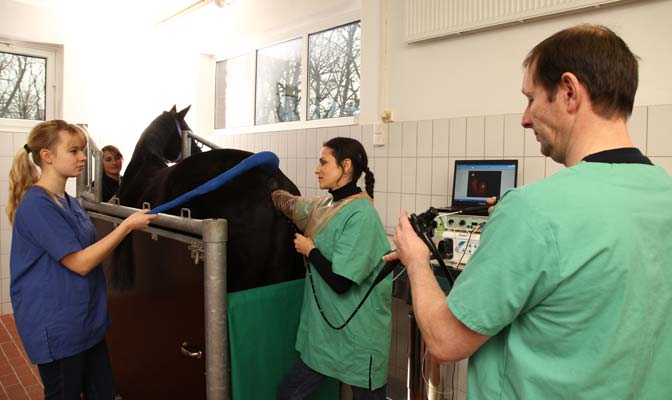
476,180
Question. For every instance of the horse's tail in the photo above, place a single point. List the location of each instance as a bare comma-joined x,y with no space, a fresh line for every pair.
122,273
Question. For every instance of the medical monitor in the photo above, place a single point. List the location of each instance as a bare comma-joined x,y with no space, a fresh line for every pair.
476,180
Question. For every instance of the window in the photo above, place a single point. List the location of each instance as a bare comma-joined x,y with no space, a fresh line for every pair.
268,86
23,93
234,92
333,72
278,83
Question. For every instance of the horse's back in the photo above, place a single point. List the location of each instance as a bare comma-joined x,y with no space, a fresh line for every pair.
260,244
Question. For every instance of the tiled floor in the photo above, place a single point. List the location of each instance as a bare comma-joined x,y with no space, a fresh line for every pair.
19,378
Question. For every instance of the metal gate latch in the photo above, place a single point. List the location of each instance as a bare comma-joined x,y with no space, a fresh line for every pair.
197,251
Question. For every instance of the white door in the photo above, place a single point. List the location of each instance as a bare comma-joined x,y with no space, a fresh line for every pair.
28,95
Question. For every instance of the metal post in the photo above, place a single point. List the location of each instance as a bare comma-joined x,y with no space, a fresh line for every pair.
94,162
80,182
215,235
415,384
98,190
188,225
204,141
186,143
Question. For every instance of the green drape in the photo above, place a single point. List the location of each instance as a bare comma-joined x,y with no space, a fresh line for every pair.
262,334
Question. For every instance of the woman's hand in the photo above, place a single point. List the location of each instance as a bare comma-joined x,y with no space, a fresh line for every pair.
139,220
303,244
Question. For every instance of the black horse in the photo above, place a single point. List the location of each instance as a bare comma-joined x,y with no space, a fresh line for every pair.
260,249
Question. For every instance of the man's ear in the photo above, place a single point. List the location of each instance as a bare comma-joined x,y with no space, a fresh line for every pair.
572,91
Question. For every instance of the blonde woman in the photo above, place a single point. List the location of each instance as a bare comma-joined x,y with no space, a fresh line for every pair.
57,280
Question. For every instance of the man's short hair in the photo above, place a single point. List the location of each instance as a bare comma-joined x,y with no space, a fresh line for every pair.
599,58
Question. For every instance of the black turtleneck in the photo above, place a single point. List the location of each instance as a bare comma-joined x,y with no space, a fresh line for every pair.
337,282
346,191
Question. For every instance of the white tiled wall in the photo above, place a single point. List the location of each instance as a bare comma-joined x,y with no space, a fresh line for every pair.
10,142
414,170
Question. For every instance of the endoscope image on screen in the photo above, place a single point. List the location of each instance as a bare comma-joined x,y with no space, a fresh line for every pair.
484,183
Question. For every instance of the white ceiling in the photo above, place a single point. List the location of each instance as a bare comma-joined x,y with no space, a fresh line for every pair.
143,12
239,26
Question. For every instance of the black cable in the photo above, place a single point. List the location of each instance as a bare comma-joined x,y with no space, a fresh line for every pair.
421,229
466,245
389,267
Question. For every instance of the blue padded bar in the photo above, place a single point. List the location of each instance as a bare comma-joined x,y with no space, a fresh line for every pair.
266,160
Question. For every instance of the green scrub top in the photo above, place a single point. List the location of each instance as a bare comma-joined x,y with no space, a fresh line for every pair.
573,281
354,240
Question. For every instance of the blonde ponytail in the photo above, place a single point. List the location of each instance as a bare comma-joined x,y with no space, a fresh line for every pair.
22,176
24,172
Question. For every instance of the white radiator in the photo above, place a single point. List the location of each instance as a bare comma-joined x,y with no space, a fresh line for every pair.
428,19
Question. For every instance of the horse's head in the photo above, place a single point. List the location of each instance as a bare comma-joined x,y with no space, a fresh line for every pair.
163,137
173,149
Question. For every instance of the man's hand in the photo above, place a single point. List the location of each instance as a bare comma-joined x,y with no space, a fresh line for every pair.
492,201
411,250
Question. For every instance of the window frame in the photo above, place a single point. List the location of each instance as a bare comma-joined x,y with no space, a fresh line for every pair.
53,57
256,76
251,105
302,32
307,105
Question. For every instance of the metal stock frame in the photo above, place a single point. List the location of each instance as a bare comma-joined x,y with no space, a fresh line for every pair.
211,233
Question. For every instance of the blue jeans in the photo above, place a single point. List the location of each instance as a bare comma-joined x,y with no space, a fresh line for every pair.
301,381
88,373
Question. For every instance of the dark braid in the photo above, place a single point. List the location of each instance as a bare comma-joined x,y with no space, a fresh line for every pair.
344,147
369,181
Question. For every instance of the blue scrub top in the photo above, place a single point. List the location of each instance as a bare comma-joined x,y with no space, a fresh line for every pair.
58,313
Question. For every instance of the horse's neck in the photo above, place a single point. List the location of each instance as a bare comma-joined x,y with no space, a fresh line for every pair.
146,162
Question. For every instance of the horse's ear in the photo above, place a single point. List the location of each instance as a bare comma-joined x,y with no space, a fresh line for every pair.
184,112
173,110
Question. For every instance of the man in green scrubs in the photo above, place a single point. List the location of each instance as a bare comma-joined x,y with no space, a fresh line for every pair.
569,295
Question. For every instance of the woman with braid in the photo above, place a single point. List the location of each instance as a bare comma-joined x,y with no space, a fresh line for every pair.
57,280
343,241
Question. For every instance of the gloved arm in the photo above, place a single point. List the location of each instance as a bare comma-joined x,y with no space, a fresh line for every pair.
298,209
284,202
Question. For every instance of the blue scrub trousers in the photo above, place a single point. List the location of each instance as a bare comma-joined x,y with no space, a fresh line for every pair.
88,373
301,381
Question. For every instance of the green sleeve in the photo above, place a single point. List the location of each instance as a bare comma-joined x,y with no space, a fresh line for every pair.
514,268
